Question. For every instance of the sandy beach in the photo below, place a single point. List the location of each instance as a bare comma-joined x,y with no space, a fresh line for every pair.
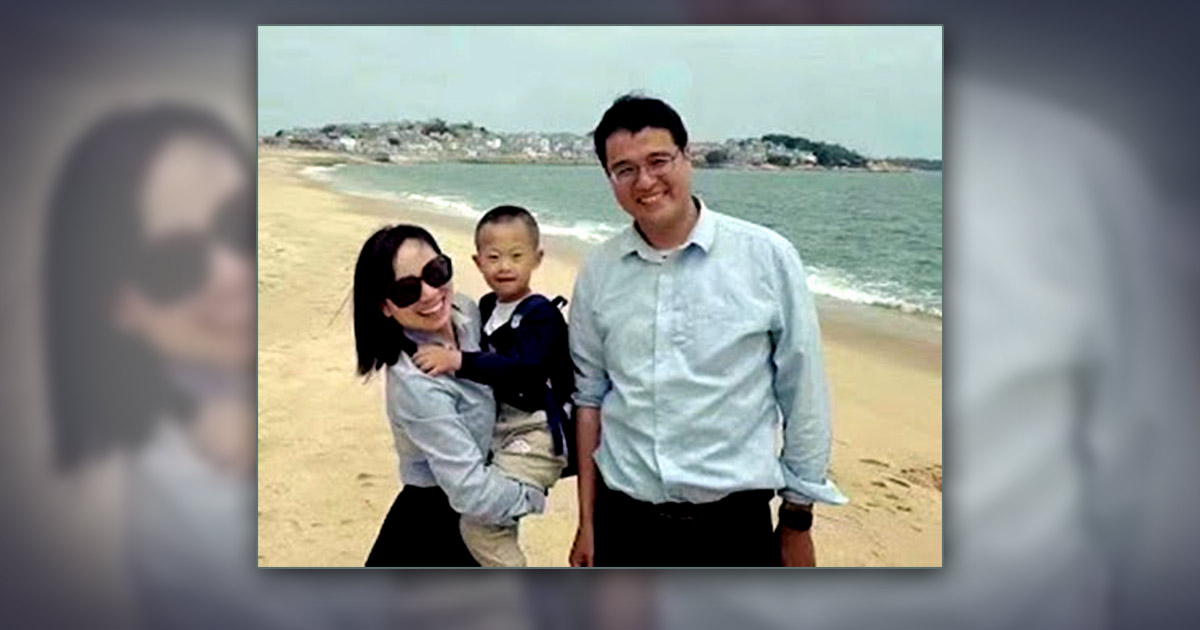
327,471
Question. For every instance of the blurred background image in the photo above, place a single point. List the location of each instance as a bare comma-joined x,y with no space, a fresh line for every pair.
1070,424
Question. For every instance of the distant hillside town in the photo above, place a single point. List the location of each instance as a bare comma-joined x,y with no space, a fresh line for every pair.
437,141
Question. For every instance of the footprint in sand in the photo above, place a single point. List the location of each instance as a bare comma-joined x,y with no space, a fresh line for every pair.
879,483
362,476
874,462
927,476
899,482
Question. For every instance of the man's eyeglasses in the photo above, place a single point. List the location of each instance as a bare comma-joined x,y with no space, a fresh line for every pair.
407,290
657,166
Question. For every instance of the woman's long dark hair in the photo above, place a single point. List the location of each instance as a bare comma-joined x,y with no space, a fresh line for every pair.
379,339
105,388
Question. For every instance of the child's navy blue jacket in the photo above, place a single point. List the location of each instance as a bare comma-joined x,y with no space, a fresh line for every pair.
527,361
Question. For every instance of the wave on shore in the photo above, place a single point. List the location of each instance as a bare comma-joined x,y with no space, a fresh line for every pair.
591,232
839,285
829,282
323,174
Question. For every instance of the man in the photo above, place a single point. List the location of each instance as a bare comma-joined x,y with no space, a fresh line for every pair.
694,335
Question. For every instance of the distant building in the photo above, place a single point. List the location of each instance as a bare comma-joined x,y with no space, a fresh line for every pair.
435,140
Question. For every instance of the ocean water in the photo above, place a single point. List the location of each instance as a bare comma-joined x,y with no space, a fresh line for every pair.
872,238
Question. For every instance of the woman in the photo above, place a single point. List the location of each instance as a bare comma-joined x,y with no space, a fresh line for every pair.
403,296
152,228
150,350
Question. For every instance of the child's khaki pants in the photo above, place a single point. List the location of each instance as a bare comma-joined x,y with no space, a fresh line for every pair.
522,448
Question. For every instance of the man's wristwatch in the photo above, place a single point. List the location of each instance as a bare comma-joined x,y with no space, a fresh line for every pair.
795,516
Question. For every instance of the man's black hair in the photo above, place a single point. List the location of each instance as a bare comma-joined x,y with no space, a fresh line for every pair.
633,113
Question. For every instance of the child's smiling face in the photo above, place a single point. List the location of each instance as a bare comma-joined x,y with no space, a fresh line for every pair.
507,255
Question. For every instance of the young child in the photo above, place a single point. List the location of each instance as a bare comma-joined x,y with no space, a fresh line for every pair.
526,361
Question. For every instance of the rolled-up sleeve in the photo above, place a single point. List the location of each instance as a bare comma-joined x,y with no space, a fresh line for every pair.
481,492
587,347
800,387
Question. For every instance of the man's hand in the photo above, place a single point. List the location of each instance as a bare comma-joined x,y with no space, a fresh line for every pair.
587,438
583,551
795,546
436,360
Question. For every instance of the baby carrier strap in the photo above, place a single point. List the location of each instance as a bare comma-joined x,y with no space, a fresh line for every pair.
487,304
558,403
526,307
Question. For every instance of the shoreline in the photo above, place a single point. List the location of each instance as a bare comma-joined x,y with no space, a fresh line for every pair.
267,142
326,462
912,318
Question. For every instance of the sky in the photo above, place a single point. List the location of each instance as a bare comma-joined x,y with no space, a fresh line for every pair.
874,89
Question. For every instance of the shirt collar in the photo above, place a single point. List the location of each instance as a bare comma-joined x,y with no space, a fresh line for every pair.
702,235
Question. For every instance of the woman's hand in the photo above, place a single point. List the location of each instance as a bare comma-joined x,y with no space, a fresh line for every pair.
583,551
436,360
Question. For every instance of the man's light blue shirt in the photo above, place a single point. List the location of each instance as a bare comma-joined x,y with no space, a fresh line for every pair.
694,357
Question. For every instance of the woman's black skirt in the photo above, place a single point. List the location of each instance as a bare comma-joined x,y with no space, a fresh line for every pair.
421,530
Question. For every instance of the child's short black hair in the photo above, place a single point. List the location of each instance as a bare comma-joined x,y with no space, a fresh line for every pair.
504,214
633,113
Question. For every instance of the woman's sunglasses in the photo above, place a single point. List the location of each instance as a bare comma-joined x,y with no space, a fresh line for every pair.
178,266
407,290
